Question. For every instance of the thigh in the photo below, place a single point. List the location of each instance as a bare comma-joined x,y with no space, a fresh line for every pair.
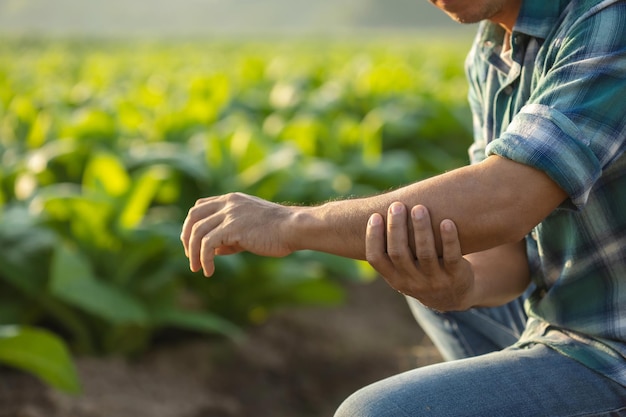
514,382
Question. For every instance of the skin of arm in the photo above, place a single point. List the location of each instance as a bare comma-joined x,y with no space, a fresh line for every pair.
501,274
452,282
492,203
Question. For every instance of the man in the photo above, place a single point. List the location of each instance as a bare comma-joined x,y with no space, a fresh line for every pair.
544,200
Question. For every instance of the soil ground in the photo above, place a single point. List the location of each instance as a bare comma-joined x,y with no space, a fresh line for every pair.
301,363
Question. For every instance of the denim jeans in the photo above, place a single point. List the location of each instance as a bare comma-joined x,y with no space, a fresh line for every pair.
485,377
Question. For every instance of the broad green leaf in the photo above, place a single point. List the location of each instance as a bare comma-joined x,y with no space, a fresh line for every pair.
214,153
371,137
23,108
11,307
339,267
173,155
23,241
92,124
243,147
106,172
304,132
141,196
198,111
73,281
91,222
89,216
53,154
39,131
41,353
276,161
316,292
197,321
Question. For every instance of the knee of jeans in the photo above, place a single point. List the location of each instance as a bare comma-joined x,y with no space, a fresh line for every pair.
366,402
354,406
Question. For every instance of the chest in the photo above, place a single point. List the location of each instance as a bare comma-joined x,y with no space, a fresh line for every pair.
505,83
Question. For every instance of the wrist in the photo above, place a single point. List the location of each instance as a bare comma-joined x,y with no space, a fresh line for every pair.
332,227
297,228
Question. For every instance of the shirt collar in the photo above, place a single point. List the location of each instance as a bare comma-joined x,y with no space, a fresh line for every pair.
538,17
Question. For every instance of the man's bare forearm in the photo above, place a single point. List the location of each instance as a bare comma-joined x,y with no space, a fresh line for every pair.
492,203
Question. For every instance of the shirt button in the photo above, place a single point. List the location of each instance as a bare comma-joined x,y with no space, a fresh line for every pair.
508,90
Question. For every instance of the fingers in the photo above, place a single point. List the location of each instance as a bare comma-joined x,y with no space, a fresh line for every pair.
195,213
196,236
391,257
392,251
424,240
398,238
375,245
452,254
201,249
206,258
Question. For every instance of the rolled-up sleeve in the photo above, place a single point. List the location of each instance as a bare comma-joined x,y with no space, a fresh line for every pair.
547,140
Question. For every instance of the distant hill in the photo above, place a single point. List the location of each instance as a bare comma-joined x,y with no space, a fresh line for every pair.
204,17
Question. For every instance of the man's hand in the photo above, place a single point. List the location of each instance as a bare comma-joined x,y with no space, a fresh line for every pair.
233,223
442,284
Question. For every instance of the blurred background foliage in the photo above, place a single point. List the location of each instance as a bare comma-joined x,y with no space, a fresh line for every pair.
104,146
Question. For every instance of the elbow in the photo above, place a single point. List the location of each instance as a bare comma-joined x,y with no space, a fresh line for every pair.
517,227
516,234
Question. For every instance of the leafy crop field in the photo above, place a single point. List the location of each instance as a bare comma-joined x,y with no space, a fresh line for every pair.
104,145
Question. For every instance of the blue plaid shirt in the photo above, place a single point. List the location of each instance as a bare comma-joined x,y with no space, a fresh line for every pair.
556,101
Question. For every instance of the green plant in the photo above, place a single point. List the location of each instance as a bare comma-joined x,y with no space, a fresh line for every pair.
40,352
105,146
